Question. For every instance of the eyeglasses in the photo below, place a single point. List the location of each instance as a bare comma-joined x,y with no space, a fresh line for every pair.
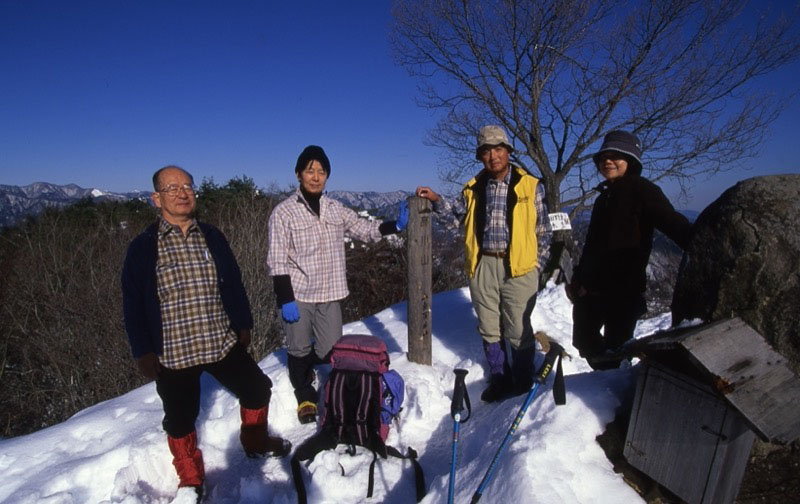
173,189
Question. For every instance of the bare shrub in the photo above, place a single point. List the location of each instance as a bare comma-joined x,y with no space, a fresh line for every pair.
376,278
377,274
448,263
63,340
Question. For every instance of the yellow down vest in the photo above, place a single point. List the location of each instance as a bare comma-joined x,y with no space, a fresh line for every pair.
521,210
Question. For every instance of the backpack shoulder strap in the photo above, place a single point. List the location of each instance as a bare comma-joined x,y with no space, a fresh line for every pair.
411,454
320,441
297,477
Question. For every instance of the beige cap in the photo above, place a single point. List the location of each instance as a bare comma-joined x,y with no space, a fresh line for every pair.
492,135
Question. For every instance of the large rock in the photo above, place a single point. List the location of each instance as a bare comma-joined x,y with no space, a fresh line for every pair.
744,260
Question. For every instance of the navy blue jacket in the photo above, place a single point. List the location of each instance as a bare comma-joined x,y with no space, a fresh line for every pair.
140,296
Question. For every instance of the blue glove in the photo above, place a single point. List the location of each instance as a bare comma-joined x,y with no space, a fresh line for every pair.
402,218
290,312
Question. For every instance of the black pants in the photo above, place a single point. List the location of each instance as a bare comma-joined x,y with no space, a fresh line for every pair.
618,314
179,389
301,375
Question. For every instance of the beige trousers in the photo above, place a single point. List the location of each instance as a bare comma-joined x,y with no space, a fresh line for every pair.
503,303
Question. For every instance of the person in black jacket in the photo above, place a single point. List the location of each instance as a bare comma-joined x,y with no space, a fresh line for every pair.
608,285
186,313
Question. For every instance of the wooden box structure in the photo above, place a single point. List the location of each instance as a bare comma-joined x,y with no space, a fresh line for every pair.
701,396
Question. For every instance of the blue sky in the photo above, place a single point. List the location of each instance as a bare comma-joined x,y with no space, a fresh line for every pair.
102,93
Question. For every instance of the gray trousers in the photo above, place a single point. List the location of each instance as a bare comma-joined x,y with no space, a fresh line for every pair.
319,328
503,303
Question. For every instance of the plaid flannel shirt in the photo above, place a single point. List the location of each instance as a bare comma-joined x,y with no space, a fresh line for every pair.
495,232
310,248
195,326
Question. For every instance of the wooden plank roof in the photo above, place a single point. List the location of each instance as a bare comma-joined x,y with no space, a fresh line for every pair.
744,369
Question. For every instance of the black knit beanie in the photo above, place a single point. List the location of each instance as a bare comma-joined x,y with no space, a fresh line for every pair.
313,153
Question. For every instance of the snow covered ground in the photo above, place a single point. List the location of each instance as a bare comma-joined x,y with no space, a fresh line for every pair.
116,451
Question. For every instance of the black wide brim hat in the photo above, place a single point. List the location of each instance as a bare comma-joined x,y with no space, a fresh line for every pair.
624,142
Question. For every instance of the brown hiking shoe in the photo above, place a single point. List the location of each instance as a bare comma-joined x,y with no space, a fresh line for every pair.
258,443
277,447
255,437
307,412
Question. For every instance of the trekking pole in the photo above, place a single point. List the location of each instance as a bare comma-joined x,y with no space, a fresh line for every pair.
549,360
460,396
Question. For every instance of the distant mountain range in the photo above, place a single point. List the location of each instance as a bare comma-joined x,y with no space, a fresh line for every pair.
16,202
370,200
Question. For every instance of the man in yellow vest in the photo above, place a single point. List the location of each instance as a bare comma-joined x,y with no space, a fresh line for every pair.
505,219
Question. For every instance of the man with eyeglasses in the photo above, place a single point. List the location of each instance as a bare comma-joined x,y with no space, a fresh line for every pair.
187,312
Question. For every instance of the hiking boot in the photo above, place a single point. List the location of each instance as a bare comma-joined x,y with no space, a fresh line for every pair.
255,437
302,377
521,388
262,444
604,361
307,412
500,387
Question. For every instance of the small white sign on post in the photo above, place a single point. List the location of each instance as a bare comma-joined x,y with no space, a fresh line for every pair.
559,221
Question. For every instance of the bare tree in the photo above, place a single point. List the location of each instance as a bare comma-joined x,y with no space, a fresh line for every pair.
559,74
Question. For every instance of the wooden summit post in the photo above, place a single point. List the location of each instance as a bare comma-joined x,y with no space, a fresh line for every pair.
419,280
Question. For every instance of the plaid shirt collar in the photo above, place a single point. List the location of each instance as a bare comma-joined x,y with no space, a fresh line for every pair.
491,180
165,228
506,179
300,198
